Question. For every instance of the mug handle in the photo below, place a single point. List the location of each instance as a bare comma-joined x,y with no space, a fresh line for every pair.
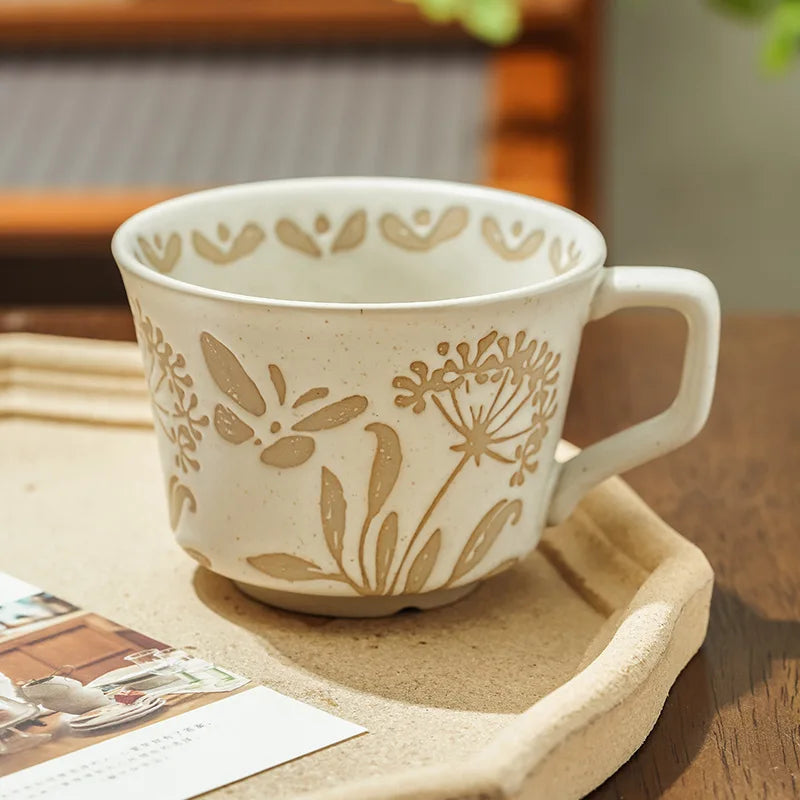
694,296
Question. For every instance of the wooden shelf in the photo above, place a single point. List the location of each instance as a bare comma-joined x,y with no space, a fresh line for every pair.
538,137
528,148
52,222
140,22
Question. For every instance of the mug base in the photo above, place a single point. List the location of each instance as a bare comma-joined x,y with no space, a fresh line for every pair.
382,606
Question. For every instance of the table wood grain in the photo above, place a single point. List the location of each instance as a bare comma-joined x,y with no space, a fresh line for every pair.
731,725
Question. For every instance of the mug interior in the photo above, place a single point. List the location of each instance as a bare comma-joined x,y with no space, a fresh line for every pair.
359,241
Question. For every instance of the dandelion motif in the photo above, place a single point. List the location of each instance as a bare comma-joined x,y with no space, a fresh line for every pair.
498,397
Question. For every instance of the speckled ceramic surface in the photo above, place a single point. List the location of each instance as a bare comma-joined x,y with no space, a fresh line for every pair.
359,384
540,683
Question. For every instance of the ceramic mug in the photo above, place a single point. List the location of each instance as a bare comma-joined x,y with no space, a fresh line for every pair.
359,384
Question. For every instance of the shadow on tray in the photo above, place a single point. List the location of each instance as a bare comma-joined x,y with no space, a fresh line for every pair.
515,639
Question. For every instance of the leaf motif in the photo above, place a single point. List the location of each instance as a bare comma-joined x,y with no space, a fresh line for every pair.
573,257
230,376
398,232
207,249
292,235
171,254
333,415
290,451
352,233
494,236
525,249
529,246
384,555
450,224
485,343
248,239
317,393
452,221
230,427
278,381
423,564
245,242
485,534
290,568
333,512
178,495
555,255
385,467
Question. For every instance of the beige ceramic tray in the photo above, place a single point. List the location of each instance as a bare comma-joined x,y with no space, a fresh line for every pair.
540,684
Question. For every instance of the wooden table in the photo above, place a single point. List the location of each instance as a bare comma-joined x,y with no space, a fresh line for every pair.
731,726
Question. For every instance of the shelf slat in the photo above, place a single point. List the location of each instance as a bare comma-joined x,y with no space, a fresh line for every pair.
92,22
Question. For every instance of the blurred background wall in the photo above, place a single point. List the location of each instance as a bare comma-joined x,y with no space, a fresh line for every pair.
652,117
701,156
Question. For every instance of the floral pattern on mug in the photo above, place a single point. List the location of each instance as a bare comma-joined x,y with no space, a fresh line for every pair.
161,254
561,261
349,236
499,398
285,451
226,250
175,407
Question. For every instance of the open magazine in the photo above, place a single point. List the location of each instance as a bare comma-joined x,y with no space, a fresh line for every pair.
87,705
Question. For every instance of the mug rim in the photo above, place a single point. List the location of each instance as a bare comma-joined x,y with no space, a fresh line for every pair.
126,259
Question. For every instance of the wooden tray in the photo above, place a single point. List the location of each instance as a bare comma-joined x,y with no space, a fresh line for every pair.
540,684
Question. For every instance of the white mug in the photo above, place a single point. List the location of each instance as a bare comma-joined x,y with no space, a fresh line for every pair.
358,384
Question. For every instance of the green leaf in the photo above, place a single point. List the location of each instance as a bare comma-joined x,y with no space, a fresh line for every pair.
745,8
439,10
783,37
494,21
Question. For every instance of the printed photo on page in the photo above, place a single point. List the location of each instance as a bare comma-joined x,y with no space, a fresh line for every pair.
71,680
